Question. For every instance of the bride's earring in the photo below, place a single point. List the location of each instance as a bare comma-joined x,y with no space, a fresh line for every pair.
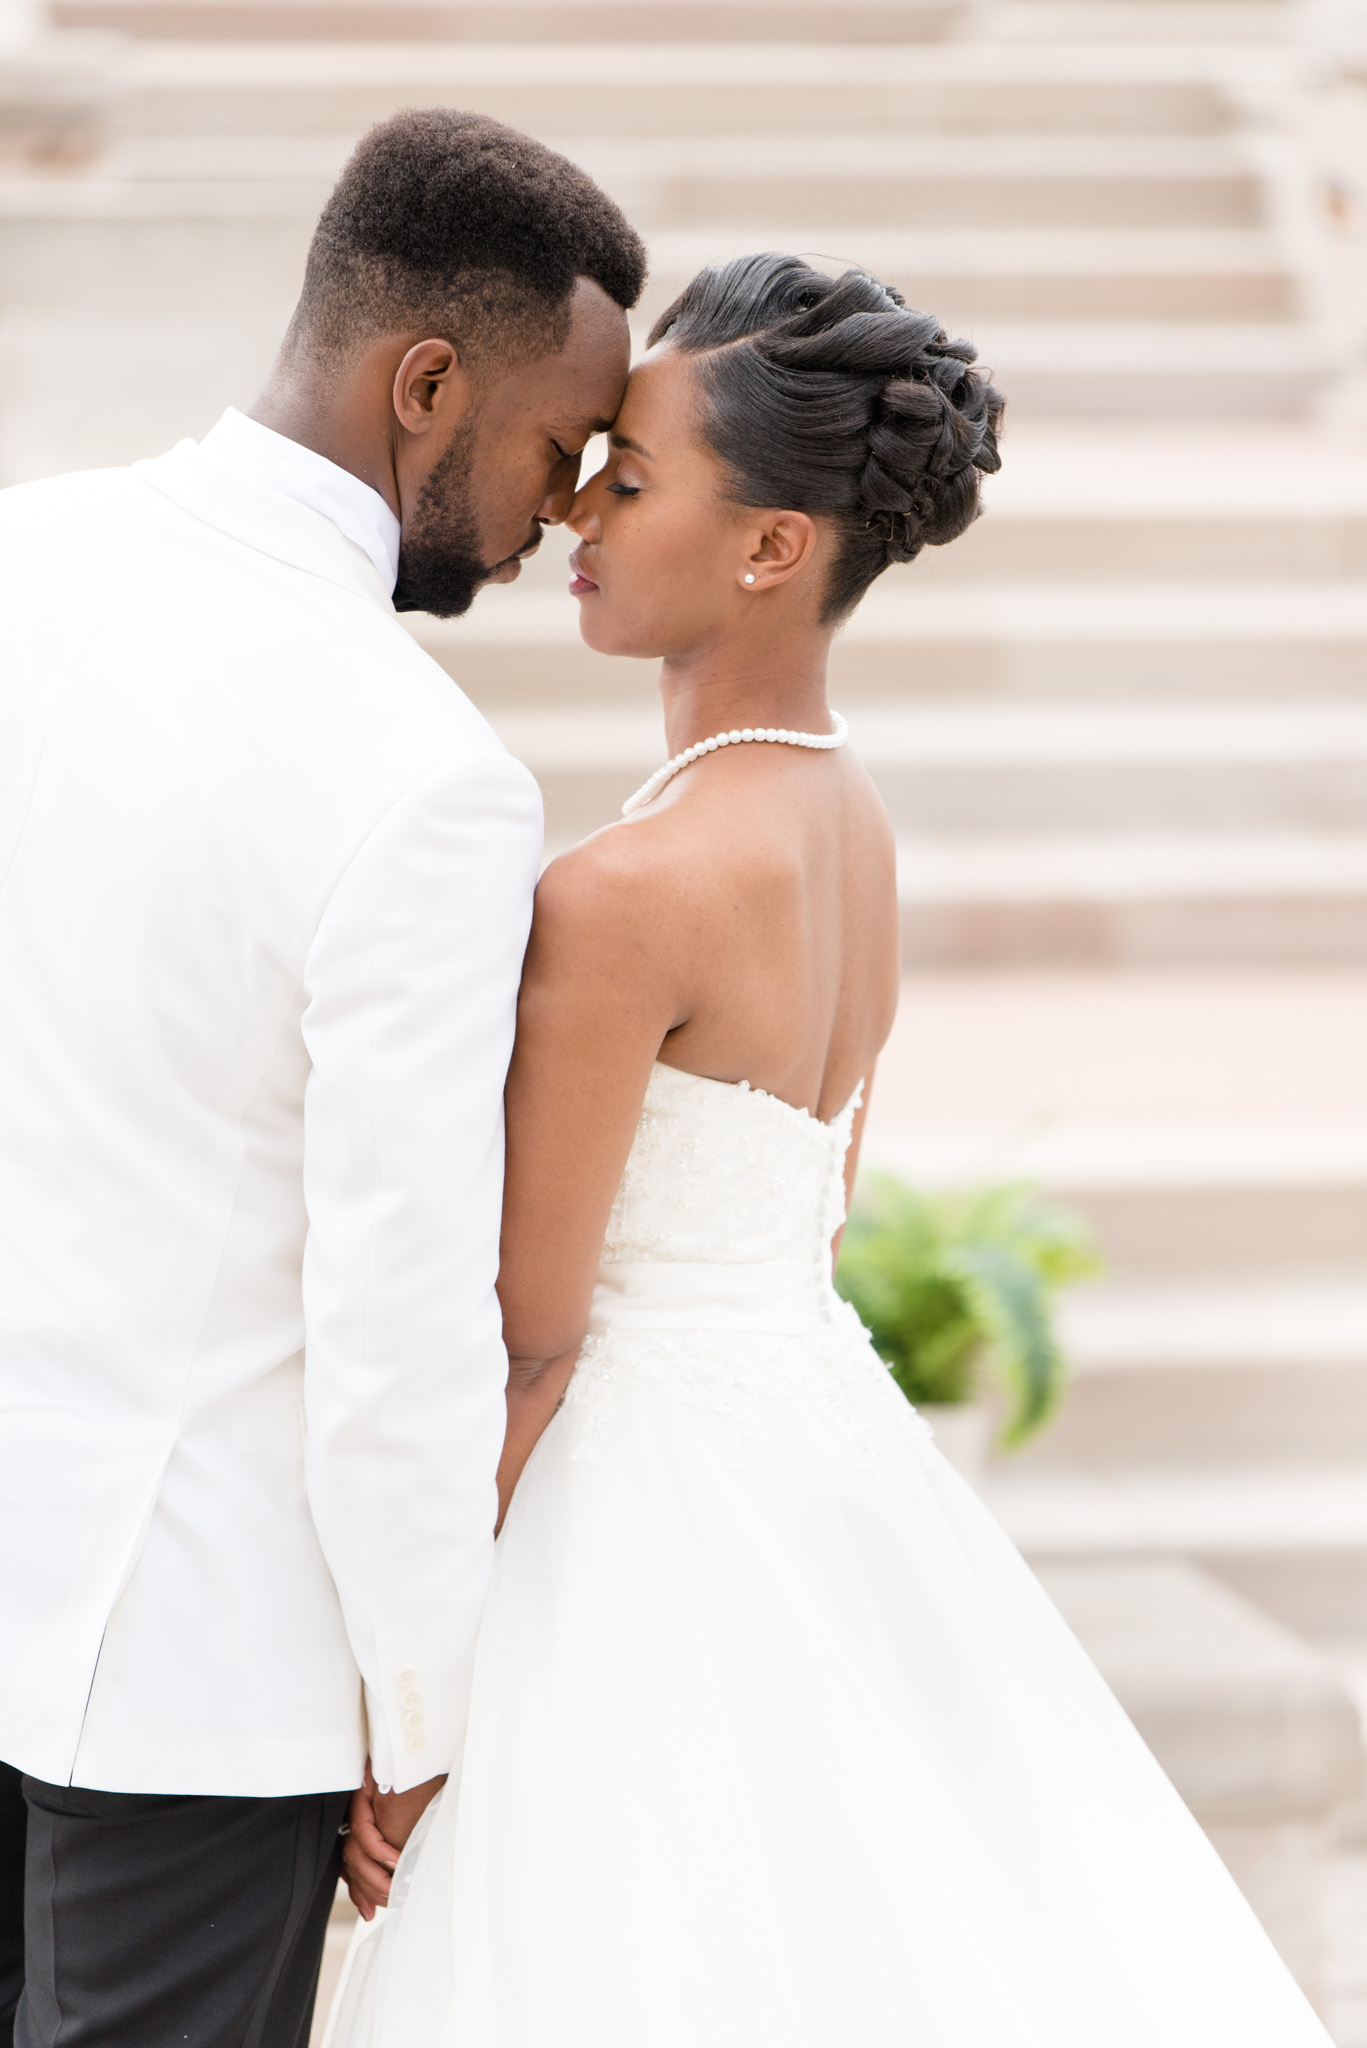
749,577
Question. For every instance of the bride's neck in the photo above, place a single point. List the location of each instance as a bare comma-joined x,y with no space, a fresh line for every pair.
722,688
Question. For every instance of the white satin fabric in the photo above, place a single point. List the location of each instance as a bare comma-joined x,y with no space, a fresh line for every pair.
775,1742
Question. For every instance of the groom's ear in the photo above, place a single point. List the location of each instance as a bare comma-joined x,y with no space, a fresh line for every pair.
431,388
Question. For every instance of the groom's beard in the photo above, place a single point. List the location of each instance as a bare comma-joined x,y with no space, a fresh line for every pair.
441,569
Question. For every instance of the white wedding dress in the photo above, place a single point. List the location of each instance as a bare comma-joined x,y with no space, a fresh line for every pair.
775,1742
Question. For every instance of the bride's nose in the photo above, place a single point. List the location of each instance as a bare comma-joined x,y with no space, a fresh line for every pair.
582,517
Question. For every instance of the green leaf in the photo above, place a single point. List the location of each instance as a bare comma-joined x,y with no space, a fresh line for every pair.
956,1286
1012,1310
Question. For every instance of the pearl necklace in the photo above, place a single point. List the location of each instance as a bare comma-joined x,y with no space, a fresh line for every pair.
824,742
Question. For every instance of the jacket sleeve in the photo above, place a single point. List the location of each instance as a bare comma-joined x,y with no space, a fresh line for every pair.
410,995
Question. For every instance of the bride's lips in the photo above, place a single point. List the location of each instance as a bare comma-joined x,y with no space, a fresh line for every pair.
580,584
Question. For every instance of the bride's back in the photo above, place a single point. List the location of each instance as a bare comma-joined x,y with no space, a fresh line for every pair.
766,885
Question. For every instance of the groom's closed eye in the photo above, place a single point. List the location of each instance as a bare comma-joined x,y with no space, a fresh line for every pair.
581,434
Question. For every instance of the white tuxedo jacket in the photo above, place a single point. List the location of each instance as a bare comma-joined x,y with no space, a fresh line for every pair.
265,884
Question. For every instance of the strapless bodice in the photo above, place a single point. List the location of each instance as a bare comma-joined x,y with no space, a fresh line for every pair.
726,1212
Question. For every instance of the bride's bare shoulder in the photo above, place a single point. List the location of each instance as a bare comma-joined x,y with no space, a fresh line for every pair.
625,871
616,944
681,869
615,907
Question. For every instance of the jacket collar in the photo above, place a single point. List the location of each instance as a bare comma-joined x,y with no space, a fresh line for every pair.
263,519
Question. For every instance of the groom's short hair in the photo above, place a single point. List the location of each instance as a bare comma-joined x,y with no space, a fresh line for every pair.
449,224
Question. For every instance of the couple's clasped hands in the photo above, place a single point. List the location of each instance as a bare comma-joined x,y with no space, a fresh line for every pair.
379,1824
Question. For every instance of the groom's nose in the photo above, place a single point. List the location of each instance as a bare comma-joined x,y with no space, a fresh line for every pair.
564,482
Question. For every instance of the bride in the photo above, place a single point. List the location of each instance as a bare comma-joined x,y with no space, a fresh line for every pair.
775,1742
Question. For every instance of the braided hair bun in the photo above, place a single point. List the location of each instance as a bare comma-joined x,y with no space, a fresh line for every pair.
831,396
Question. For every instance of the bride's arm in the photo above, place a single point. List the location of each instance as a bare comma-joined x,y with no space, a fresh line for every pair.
852,1162
600,990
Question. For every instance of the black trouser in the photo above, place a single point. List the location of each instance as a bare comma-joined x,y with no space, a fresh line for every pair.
152,1922
13,1818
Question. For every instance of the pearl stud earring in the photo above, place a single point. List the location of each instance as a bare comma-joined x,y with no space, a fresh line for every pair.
748,577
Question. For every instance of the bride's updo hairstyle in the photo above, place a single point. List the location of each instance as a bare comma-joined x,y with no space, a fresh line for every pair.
830,396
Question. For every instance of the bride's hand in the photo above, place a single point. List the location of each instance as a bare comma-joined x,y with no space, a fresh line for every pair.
398,1813
368,1860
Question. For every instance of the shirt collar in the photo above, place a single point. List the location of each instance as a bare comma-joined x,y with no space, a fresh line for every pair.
287,466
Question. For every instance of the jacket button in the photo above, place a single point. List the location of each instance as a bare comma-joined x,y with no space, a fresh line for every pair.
407,1675
415,1743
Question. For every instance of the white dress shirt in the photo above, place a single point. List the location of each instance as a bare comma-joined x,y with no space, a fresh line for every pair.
283,465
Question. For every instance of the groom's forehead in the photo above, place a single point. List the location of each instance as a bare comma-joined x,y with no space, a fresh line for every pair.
578,386
578,399
596,352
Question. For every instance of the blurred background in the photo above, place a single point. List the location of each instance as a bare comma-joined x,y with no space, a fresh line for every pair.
1121,726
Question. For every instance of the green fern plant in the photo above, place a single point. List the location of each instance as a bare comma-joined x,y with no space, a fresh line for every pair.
957,1289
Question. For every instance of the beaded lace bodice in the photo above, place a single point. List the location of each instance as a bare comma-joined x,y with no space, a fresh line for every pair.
728,1175
715,1279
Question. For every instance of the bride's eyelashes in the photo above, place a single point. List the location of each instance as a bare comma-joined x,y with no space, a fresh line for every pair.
625,490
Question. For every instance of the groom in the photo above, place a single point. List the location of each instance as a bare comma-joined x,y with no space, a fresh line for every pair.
265,883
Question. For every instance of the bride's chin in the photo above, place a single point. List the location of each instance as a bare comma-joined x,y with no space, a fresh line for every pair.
597,632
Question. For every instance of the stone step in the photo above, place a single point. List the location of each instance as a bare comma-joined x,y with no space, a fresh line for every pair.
803,185
686,21
1211,1375
1257,1732
1120,769
1122,370
1209,1514
1142,21
1213,1128
1170,1203
913,641
1261,548
1110,900
1118,1333
1293,1539
585,21
1244,1449
1019,274
55,101
953,775
755,89
1345,1909
1201,190
1113,370
224,219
